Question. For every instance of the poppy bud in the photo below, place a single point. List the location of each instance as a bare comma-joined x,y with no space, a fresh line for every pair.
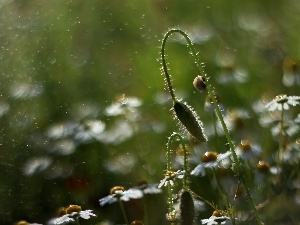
187,211
199,83
189,120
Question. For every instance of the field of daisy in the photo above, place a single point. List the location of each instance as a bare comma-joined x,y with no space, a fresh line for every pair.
149,112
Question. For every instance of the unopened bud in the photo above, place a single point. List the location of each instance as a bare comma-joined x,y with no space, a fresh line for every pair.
189,120
199,83
187,209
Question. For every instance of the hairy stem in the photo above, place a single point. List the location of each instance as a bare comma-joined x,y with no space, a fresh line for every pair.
211,93
185,162
165,68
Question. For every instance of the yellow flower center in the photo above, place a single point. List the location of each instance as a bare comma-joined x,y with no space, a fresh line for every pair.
281,98
22,222
116,188
263,167
170,173
245,146
61,211
209,157
73,208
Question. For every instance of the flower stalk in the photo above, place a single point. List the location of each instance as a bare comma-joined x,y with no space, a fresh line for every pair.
185,157
169,167
123,210
280,150
211,93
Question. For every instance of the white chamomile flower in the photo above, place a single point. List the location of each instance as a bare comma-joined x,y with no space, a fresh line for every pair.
23,222
118,192
247,150
71,213
290,128
148,188
89,130
282,102
212,160
123,105
217,220
170,176
297,120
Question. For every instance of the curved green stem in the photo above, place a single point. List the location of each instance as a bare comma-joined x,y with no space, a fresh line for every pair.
169,166
215,130
211,93
164,66
185,161
170,197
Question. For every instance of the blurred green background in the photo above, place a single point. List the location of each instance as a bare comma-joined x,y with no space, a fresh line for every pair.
82,100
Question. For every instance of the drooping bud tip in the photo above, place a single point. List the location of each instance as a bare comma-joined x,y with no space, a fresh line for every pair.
199,83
